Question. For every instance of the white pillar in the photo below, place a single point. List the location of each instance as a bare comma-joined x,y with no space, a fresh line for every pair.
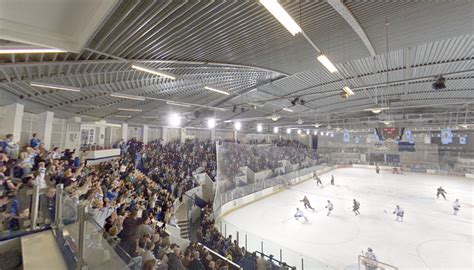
101,134
12,120
213,135
145,134
165,135
235,135
124,131
183,135
73,133
45,128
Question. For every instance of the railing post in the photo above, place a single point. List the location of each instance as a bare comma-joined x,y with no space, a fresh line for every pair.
237,232
82,237
225,230
34,207
261,246
246,241
58,214
281,256
302,264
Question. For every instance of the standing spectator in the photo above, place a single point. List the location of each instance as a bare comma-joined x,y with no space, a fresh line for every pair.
174,260
10,147
48,204
35,141
196,263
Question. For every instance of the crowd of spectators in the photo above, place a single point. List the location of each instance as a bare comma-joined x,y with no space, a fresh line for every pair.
130,197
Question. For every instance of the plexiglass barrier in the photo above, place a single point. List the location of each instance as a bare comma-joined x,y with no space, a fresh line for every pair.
253,242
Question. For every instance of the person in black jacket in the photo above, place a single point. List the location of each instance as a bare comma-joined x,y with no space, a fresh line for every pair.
174,259
196,263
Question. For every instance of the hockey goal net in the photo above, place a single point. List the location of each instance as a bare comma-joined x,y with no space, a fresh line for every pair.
368,264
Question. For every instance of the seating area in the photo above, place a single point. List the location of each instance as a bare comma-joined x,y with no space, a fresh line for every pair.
130,198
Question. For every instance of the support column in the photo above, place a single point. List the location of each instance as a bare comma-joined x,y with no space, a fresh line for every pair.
101,135
235,135
183,135
145,134
165,135
12,120
45,128
213,135
73,133
124,131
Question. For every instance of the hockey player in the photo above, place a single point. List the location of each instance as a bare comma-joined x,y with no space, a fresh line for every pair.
306,203
377,168
332,179
441,192
299,214
355,207
399,213
318,181
370,261
329,207
456,207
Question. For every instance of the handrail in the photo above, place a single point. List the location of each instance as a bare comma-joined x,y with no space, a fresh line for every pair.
273,259
220,256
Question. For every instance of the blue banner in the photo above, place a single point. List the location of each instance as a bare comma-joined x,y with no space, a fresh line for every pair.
346,136
409,136
446,136
463,140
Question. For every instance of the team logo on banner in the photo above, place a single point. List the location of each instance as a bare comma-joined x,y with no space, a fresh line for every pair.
409,136
346,136
446,136
463,139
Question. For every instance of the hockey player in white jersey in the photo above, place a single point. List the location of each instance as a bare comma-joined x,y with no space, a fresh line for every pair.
330,206
399,213
299,214
456,207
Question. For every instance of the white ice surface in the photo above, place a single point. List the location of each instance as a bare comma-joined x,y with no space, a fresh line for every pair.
430,237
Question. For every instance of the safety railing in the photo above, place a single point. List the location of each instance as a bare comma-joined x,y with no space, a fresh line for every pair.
370,264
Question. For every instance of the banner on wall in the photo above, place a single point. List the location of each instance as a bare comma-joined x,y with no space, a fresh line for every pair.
463,139
409,136
346,136
357,139
427,140
446,136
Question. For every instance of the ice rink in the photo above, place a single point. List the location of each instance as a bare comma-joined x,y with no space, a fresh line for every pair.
430,237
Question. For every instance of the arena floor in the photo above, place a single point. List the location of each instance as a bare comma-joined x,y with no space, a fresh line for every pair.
430,237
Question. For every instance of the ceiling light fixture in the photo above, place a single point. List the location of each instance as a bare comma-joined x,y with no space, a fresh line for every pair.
288,110
129,110
122,116
15,50
211,123
275,130
155,72
174,120
149,117
326,63
315,132
216,90
227,121
288,130
307,132
259,128
281,15
128,96
299,131
178,104
237,125
347,90
54,86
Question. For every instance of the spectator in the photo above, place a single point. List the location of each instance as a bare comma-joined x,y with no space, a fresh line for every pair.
196,263
174,259
35,141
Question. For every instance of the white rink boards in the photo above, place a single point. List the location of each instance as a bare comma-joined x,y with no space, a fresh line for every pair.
430,236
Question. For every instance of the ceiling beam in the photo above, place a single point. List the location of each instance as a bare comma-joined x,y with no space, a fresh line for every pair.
345,13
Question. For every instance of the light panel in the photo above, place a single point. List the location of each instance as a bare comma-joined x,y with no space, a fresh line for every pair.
281,15
326,63
216,90
155,72
347,90
18,50
54,86
127,96
178,104
129,110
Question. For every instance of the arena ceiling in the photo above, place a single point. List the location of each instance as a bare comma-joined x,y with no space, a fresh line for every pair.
389,54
